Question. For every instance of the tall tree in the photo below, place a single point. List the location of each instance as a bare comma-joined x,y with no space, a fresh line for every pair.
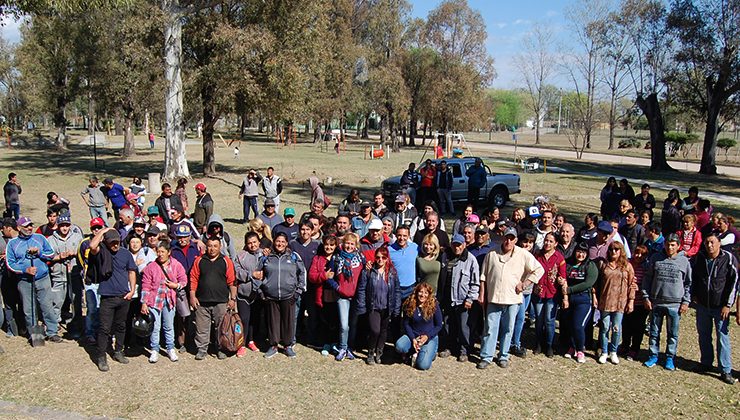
537,65
644,22
708,70
616,68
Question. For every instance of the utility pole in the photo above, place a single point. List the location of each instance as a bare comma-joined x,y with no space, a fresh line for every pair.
560,109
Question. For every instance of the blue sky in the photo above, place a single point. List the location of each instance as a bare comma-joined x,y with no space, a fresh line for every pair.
507,22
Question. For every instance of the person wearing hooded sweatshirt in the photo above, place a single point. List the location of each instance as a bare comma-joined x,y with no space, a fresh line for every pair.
203,207
216,228
281,276
666,289
248,299
26,255
458,287
317,193
714,289
65,273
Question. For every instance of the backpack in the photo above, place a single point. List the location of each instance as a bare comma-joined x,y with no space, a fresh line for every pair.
231,332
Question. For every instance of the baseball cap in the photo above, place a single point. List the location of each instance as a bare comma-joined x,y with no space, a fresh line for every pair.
510,232
501,222
365,204
182,230
178,208
152,210
200,186
97,222
111,235
24,221
605,227
400,198
582,246
153,230
481,229
140,221
64,219
672,237
473,218
131,196
375,224
108,181
290,211
269,202
534,212
9,222
458,239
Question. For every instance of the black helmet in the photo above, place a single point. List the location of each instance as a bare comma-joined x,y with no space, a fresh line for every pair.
142,325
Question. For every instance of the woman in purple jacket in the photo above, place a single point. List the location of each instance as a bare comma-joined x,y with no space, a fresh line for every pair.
161,280
422,324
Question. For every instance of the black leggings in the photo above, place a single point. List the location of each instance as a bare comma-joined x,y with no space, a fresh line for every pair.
250,314
378,323
633,328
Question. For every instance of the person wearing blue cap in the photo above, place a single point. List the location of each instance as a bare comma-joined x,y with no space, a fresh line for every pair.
288,226
598,247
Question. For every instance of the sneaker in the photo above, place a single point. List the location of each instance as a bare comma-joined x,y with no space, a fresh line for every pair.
602,358
519,352
271,352
462,358
614,358
120,358
443,354
503,363
537,350
201,355
548,352
580,357
341,355
370,360
172,354
55,339
651,361
631,356
290,352
378,358
103,364
241,352
325,350
569,354
182,349
221,355
728,379
669,364
350,355
483,365
154,357
252,346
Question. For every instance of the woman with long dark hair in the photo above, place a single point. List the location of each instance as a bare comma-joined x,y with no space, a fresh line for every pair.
378,296
421,324
581,275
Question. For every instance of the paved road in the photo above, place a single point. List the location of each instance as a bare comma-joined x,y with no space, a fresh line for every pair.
596,157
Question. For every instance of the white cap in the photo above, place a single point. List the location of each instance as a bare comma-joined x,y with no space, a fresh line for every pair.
375,224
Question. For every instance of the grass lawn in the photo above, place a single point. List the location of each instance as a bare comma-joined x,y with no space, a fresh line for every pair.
62,376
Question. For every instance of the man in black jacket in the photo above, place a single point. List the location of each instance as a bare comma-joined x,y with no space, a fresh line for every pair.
443,182
166,202
713,292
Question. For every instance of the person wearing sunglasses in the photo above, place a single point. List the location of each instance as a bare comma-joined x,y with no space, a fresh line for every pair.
615,297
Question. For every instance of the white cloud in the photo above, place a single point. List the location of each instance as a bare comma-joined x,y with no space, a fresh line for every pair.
551,13
522,22
501,25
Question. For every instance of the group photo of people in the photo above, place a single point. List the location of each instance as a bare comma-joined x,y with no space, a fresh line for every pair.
386,280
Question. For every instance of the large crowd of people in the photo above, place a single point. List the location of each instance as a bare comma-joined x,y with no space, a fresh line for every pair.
159,279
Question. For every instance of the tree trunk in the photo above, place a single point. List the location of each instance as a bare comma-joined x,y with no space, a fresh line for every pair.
709,152
383,131
612,120
424,133
412,131
175,159
537,127
146,122
209,123
129,145
118,121
366,124
651,109
90,114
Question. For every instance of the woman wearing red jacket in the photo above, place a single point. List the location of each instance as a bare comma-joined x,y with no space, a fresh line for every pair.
690,236
545,291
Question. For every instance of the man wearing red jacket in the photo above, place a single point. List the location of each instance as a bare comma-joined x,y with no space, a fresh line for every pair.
212,292
374,239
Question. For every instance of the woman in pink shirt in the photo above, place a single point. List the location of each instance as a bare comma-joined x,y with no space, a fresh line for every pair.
544,294
161,280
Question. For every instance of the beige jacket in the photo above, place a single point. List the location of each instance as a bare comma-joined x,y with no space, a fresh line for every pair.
501,273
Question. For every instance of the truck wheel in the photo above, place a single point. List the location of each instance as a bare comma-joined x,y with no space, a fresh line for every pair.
498,196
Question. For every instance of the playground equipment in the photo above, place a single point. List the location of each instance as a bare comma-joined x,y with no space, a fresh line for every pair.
377,153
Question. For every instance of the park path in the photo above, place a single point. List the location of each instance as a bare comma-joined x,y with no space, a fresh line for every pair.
542,152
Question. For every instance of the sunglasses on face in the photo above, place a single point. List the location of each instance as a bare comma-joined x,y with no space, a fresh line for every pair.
381,258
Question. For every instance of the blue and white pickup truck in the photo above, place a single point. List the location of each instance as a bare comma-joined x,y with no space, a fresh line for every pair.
496,192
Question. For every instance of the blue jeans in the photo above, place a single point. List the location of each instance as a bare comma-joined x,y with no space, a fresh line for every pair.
15,210
427,352
163,319
297,316
445,201
92,303
708,319
99,211
656,325
546,310
516,340
250,203
43,291
610,321
406,291
581,309
347,323
498,326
